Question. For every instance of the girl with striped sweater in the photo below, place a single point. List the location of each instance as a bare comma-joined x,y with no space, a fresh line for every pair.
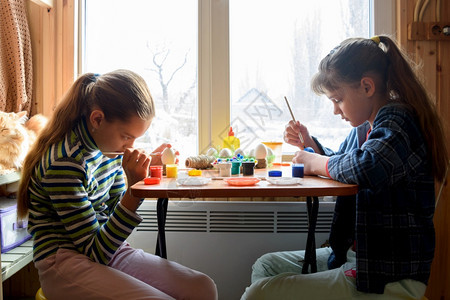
80,211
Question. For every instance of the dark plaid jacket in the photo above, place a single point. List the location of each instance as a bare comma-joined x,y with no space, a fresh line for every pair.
393,228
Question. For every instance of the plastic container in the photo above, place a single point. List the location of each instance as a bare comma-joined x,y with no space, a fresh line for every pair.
224,169
297,170
235,167
275,173
156,171
152,180
171,171
242,181
195,172
248,168
231,142
13,232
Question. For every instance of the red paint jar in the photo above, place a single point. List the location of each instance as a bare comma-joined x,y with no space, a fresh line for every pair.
156,171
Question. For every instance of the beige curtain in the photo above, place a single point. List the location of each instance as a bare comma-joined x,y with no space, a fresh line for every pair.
16,73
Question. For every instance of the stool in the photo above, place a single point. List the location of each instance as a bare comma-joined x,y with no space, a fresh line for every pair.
40,295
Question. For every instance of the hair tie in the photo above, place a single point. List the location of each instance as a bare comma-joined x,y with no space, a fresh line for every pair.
93,78
334,49
376,39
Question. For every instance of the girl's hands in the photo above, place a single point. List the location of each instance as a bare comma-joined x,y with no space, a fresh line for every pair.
156,154
291,134
136,165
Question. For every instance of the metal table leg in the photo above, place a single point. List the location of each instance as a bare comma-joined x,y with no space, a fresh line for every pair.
312,204
161,213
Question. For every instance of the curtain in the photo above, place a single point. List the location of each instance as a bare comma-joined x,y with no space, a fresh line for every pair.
16,73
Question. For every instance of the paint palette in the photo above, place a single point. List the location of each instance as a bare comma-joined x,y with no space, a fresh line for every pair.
284,181
192,181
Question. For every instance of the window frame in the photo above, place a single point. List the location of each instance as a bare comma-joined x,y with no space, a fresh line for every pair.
214,62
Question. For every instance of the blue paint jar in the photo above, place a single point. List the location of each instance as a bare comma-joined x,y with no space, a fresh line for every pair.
297,170
275,173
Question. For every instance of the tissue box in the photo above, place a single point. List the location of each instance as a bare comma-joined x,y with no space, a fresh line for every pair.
13,233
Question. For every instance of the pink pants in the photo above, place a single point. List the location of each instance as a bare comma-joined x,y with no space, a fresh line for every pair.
131,274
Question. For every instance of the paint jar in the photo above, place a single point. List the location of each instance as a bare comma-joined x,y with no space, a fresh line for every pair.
171,171
235,167
248,168
156,171
309,149
275,173
224,169
195,172
297,170
151,180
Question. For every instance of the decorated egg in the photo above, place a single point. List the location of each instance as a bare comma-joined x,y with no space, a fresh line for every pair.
239,151
211,152
260,151
225,152
251,153
168,156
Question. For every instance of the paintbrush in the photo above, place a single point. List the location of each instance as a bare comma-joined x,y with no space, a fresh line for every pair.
112,153
122,153
293,118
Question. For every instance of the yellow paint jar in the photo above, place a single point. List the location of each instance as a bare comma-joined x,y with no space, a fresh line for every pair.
195,172
171,171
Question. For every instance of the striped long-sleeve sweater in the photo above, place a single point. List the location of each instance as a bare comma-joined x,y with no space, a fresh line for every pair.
74,200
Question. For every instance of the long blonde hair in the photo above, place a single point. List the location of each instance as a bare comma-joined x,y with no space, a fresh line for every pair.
120,94
396,79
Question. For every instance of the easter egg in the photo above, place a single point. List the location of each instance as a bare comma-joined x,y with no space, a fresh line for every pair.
309,149
251,153
260,151
225,152
239,151
168,156
211,152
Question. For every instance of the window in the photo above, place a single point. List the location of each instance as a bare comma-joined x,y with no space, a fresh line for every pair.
158,40
274,51
215,63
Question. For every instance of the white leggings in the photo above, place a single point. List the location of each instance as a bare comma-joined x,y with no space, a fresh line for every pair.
278,276
131,274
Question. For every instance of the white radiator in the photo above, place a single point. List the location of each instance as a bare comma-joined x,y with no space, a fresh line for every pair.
223,239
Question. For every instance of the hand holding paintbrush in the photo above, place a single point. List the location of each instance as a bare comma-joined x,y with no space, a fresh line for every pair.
302,141
300,136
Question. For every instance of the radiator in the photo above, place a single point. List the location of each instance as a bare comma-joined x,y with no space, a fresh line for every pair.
223,239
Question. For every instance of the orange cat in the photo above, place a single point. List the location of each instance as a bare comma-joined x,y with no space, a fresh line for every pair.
17,134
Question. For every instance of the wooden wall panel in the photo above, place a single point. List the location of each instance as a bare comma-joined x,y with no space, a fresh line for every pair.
435,58
52,39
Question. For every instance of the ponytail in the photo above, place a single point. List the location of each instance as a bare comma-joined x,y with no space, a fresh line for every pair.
407,88
66,115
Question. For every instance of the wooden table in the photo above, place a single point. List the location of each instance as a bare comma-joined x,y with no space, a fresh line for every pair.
310,187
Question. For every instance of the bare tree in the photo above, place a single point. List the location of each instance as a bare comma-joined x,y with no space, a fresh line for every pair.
307,40
165,77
